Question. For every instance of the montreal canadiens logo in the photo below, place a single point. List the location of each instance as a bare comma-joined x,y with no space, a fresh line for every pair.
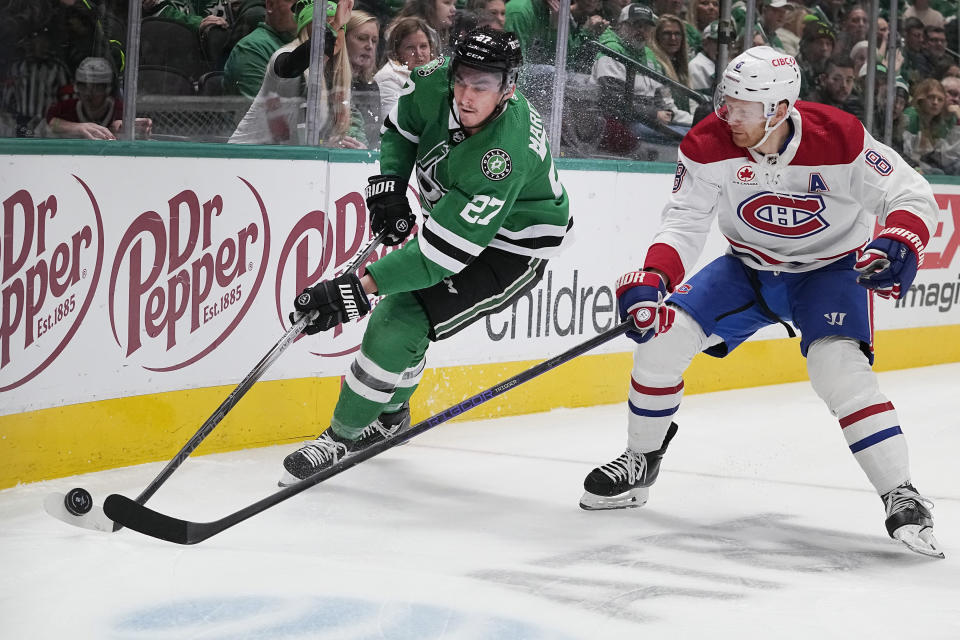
496,164
746,173
784,216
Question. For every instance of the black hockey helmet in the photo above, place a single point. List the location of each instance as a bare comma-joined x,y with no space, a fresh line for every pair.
489,50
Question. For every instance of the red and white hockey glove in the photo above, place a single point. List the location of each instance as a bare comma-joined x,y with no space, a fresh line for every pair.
640,296
889,264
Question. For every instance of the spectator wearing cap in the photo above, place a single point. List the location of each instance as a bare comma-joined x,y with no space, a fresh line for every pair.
816,48
835,86
633,113
95,113
247,62
922,11
277,114
772,17
703,67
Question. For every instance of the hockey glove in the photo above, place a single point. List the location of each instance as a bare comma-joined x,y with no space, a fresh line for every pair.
336,301
889,264
640,296
389,209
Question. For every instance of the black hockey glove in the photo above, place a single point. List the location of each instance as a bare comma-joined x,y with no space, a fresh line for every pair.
389,209
336,301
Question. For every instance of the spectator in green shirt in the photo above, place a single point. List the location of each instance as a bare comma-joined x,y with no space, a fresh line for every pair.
247,62
930,136
193,14
772,17
535,23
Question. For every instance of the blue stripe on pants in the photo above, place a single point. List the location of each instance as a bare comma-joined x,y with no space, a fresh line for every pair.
879,436
650,413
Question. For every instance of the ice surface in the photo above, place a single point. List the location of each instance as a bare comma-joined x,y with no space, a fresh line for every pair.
761,525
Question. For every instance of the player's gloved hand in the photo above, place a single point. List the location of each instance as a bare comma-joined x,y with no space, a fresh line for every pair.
389,208
336,301
889,265
640,296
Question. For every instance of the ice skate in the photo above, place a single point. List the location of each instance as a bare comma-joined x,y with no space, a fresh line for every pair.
315,455
329,448
386,426
626,481
909,520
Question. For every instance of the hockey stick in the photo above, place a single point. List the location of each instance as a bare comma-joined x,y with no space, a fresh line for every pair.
76,506
137,517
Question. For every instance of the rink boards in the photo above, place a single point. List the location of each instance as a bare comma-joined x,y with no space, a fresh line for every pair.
141,282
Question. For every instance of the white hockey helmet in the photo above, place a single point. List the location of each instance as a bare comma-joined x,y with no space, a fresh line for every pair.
760,74
94,71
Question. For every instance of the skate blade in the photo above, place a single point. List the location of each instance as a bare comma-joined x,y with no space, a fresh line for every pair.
287,479
627,500
919,540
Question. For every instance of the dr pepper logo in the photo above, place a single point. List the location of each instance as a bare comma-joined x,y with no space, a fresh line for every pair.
319,246
51,256
184,276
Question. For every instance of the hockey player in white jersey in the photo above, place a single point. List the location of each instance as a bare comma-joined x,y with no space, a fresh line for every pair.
797,188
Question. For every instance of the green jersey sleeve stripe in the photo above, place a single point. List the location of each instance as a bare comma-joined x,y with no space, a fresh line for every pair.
452,238
441,253
535,231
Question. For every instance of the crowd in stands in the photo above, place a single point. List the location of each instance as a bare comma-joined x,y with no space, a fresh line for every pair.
651,65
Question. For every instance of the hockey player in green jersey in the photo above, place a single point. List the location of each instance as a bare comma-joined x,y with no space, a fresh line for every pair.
494,212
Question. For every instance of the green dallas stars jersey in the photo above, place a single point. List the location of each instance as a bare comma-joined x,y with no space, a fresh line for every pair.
497,188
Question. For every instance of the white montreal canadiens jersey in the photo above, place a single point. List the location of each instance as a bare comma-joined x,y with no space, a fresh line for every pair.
811,205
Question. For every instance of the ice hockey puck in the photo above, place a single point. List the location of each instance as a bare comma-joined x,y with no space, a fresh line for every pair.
78,501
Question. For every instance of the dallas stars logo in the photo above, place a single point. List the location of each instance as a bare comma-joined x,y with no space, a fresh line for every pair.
496,164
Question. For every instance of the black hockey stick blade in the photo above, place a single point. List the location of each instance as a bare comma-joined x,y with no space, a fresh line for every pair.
96,519
137,517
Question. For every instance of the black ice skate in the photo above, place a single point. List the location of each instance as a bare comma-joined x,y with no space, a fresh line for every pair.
329,448
384,427
315,455
909,520
626,481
